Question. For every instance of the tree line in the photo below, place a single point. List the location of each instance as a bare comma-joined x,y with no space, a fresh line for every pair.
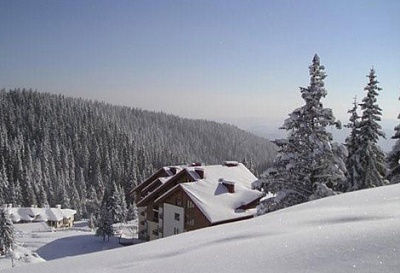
70,151
310,166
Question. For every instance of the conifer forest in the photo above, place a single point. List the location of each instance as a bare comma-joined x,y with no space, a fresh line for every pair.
70,151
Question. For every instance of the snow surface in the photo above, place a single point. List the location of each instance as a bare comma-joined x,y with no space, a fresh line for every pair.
37,242
352,232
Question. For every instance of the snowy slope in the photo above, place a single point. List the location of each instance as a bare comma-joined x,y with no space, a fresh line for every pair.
353,232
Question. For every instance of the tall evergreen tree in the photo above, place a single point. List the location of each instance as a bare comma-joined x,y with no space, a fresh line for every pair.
15,194
75,200
353,143
106,217
4,185
132,212
114,200
393,158
306,166
7,239
372,158
124,207
38,181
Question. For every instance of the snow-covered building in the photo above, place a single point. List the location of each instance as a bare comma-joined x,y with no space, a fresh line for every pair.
55,217
177,199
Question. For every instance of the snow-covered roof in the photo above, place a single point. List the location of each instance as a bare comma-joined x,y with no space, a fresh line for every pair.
34,214
212,196
160,175
165,186
23,214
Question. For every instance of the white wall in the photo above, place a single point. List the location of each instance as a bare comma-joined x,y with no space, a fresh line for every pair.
152,226
170,225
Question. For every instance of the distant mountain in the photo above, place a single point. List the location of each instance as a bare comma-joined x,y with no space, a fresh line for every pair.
271,131
60,150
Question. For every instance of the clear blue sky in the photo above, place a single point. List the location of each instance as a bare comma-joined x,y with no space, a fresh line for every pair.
223,60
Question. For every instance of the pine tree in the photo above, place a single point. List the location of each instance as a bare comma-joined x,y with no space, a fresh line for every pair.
75,201
352,143
105,219
38,181
4,185
132,212
115,201
92,203
124,207
393,158
7,239
372,158
307,166
14,194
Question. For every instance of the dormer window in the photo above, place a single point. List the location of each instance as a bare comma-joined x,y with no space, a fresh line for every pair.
229,185
200,172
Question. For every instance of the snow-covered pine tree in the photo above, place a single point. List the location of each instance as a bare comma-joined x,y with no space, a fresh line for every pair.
7,239
4,185
92,203
393,158
114,199
307,166
132,212
124,207
372,159
105,219
104,224
352,143
75,200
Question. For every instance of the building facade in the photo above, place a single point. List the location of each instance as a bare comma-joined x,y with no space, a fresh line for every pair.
178,199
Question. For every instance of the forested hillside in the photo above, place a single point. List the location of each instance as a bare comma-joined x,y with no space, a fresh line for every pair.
60,150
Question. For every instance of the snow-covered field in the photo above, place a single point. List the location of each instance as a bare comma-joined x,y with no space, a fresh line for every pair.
353,232
37,242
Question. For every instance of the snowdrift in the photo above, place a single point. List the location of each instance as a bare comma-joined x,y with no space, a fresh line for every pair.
353,232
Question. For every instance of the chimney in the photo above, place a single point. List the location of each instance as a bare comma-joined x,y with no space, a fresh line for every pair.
58,206
231,163
196,164
200,172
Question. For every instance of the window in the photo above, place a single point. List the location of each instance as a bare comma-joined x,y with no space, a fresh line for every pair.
190,222
177,217
155,216
189,204
178,202
176,230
